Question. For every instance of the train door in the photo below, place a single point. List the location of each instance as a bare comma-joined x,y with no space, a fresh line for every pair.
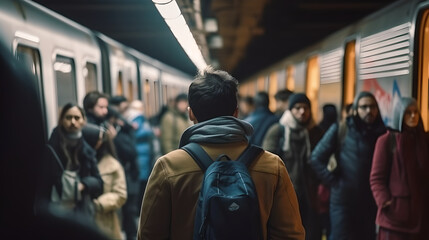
30,58
261,84
290,80
90,76
349,79
312,84
272,90
421,89
119,85
65,76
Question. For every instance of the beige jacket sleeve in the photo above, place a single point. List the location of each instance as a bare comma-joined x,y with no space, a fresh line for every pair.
115,188
156,207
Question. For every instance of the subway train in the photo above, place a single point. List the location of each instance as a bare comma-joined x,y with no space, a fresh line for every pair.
386,53
68,60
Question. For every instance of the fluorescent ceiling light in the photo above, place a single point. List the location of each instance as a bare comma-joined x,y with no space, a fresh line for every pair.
176,22
169,10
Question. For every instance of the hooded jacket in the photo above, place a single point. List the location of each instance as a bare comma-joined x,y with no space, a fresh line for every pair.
400,174
169,203
351,196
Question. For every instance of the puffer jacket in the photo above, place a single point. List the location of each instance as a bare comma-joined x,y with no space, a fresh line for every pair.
175,183
351,195
113,197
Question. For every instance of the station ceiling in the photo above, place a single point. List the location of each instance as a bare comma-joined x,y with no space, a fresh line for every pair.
254,33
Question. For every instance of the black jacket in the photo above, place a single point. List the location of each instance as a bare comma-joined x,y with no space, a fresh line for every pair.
51,171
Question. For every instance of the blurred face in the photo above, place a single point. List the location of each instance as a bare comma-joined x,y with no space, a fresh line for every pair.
367,109
182,106
100,108
411,116
301,112
245,108
73,120
123,106
282,105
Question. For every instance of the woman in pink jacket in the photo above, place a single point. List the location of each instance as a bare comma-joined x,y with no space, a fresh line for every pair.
400,176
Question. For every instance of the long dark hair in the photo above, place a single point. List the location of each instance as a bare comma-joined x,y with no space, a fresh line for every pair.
67,107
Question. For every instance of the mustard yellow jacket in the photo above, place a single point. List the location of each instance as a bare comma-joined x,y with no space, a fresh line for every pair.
169,203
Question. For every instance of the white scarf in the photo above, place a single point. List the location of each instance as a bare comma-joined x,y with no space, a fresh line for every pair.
289,122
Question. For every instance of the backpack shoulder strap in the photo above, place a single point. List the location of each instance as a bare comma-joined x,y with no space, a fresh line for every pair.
250,154
199,155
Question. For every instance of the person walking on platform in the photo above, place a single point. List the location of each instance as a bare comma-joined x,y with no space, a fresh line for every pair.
399,176
352,206
114,194
127,155
292,139
169,204
261,118
173,123
144,144
69,174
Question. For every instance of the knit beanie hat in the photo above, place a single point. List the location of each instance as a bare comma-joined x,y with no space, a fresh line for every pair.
298,98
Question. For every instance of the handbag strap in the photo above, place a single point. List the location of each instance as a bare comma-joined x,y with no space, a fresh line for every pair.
56,156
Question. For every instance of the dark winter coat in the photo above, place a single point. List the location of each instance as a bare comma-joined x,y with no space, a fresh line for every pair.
261,119
352,207
52,171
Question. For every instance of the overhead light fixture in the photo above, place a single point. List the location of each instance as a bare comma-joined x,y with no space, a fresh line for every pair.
172,15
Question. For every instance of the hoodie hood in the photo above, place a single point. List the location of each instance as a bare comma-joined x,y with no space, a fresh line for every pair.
378,120
399,112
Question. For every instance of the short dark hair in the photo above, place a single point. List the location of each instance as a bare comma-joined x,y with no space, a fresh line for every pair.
91,99
116,100
283,95
213,93
261,99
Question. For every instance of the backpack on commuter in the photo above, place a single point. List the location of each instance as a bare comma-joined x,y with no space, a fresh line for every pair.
228,205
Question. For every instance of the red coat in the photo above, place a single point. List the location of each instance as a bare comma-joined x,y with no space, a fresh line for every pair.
401,177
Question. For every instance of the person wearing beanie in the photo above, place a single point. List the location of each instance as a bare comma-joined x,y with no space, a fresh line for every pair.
352,206
293,139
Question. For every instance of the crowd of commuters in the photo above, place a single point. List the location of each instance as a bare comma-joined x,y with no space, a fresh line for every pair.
340,177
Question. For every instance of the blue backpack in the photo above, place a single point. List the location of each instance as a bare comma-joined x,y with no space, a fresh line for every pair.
228,205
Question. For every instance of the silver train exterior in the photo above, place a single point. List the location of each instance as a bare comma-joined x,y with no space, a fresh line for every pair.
68,60
386,53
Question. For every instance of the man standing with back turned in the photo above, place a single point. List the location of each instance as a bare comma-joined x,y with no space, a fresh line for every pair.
169,204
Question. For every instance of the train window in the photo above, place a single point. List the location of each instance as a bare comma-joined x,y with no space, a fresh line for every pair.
156,97
65,75
30,58
312,84
423,71
290,81
119,85
147,99
349,80
90,75
130,90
